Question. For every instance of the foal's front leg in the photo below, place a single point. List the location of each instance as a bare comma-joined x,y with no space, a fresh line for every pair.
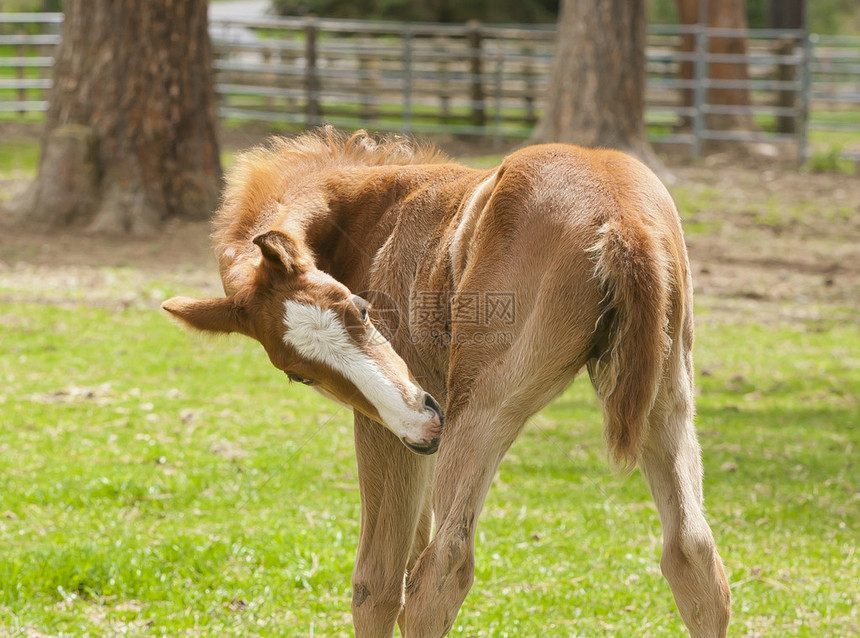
489,400
474,444
395,486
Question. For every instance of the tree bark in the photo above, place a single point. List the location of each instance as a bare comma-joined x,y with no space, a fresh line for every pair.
722,14
130,134
786,14
597,83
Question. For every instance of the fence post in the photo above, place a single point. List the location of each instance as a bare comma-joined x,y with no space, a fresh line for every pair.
369,79
444,91
22,93
531,87
500,74
809,40
407,79
312,82
699,93
786,74
476,94
271,78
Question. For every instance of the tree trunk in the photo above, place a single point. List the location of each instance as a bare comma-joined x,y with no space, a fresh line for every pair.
597,83
786,14
722,14
130,135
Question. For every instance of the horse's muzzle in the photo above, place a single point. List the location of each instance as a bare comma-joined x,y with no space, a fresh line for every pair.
423,446
429,443
431,405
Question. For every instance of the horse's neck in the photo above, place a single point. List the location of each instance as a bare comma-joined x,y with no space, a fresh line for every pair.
368,205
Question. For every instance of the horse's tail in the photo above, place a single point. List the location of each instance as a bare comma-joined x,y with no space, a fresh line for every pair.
634,273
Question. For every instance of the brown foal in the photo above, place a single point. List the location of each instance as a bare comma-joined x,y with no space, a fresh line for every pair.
508,283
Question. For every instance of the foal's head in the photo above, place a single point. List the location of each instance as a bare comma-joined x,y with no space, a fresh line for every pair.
320,334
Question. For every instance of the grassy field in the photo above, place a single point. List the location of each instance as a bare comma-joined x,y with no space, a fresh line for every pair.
156,483
159,484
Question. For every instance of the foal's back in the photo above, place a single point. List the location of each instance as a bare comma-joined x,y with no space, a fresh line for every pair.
590,245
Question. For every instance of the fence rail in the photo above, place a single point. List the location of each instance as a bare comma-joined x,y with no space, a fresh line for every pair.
484,80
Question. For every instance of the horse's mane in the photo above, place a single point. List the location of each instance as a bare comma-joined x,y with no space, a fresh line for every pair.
327,144
260,177
326,147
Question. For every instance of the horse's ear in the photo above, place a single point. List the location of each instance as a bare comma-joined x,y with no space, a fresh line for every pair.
209,315
281,249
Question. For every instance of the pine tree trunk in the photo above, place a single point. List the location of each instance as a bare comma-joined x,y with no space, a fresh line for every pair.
729,14
787,14
130,136
722,14
597,83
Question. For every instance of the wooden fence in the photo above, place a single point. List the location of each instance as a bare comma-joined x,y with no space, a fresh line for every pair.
477,79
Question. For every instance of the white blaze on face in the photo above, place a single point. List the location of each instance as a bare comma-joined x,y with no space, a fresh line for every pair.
319,335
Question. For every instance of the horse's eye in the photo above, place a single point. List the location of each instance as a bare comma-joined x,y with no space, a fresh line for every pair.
363,307
299,379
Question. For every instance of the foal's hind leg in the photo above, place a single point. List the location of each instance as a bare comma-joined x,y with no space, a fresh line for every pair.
671,463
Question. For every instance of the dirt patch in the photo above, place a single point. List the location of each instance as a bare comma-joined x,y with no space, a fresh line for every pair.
766,244
771,244
181,245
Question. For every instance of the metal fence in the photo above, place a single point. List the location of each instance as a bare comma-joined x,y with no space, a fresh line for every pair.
27,42
482,80
834,89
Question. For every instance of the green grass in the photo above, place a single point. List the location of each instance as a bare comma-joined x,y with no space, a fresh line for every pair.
694,205
19,156
158,483
12,6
